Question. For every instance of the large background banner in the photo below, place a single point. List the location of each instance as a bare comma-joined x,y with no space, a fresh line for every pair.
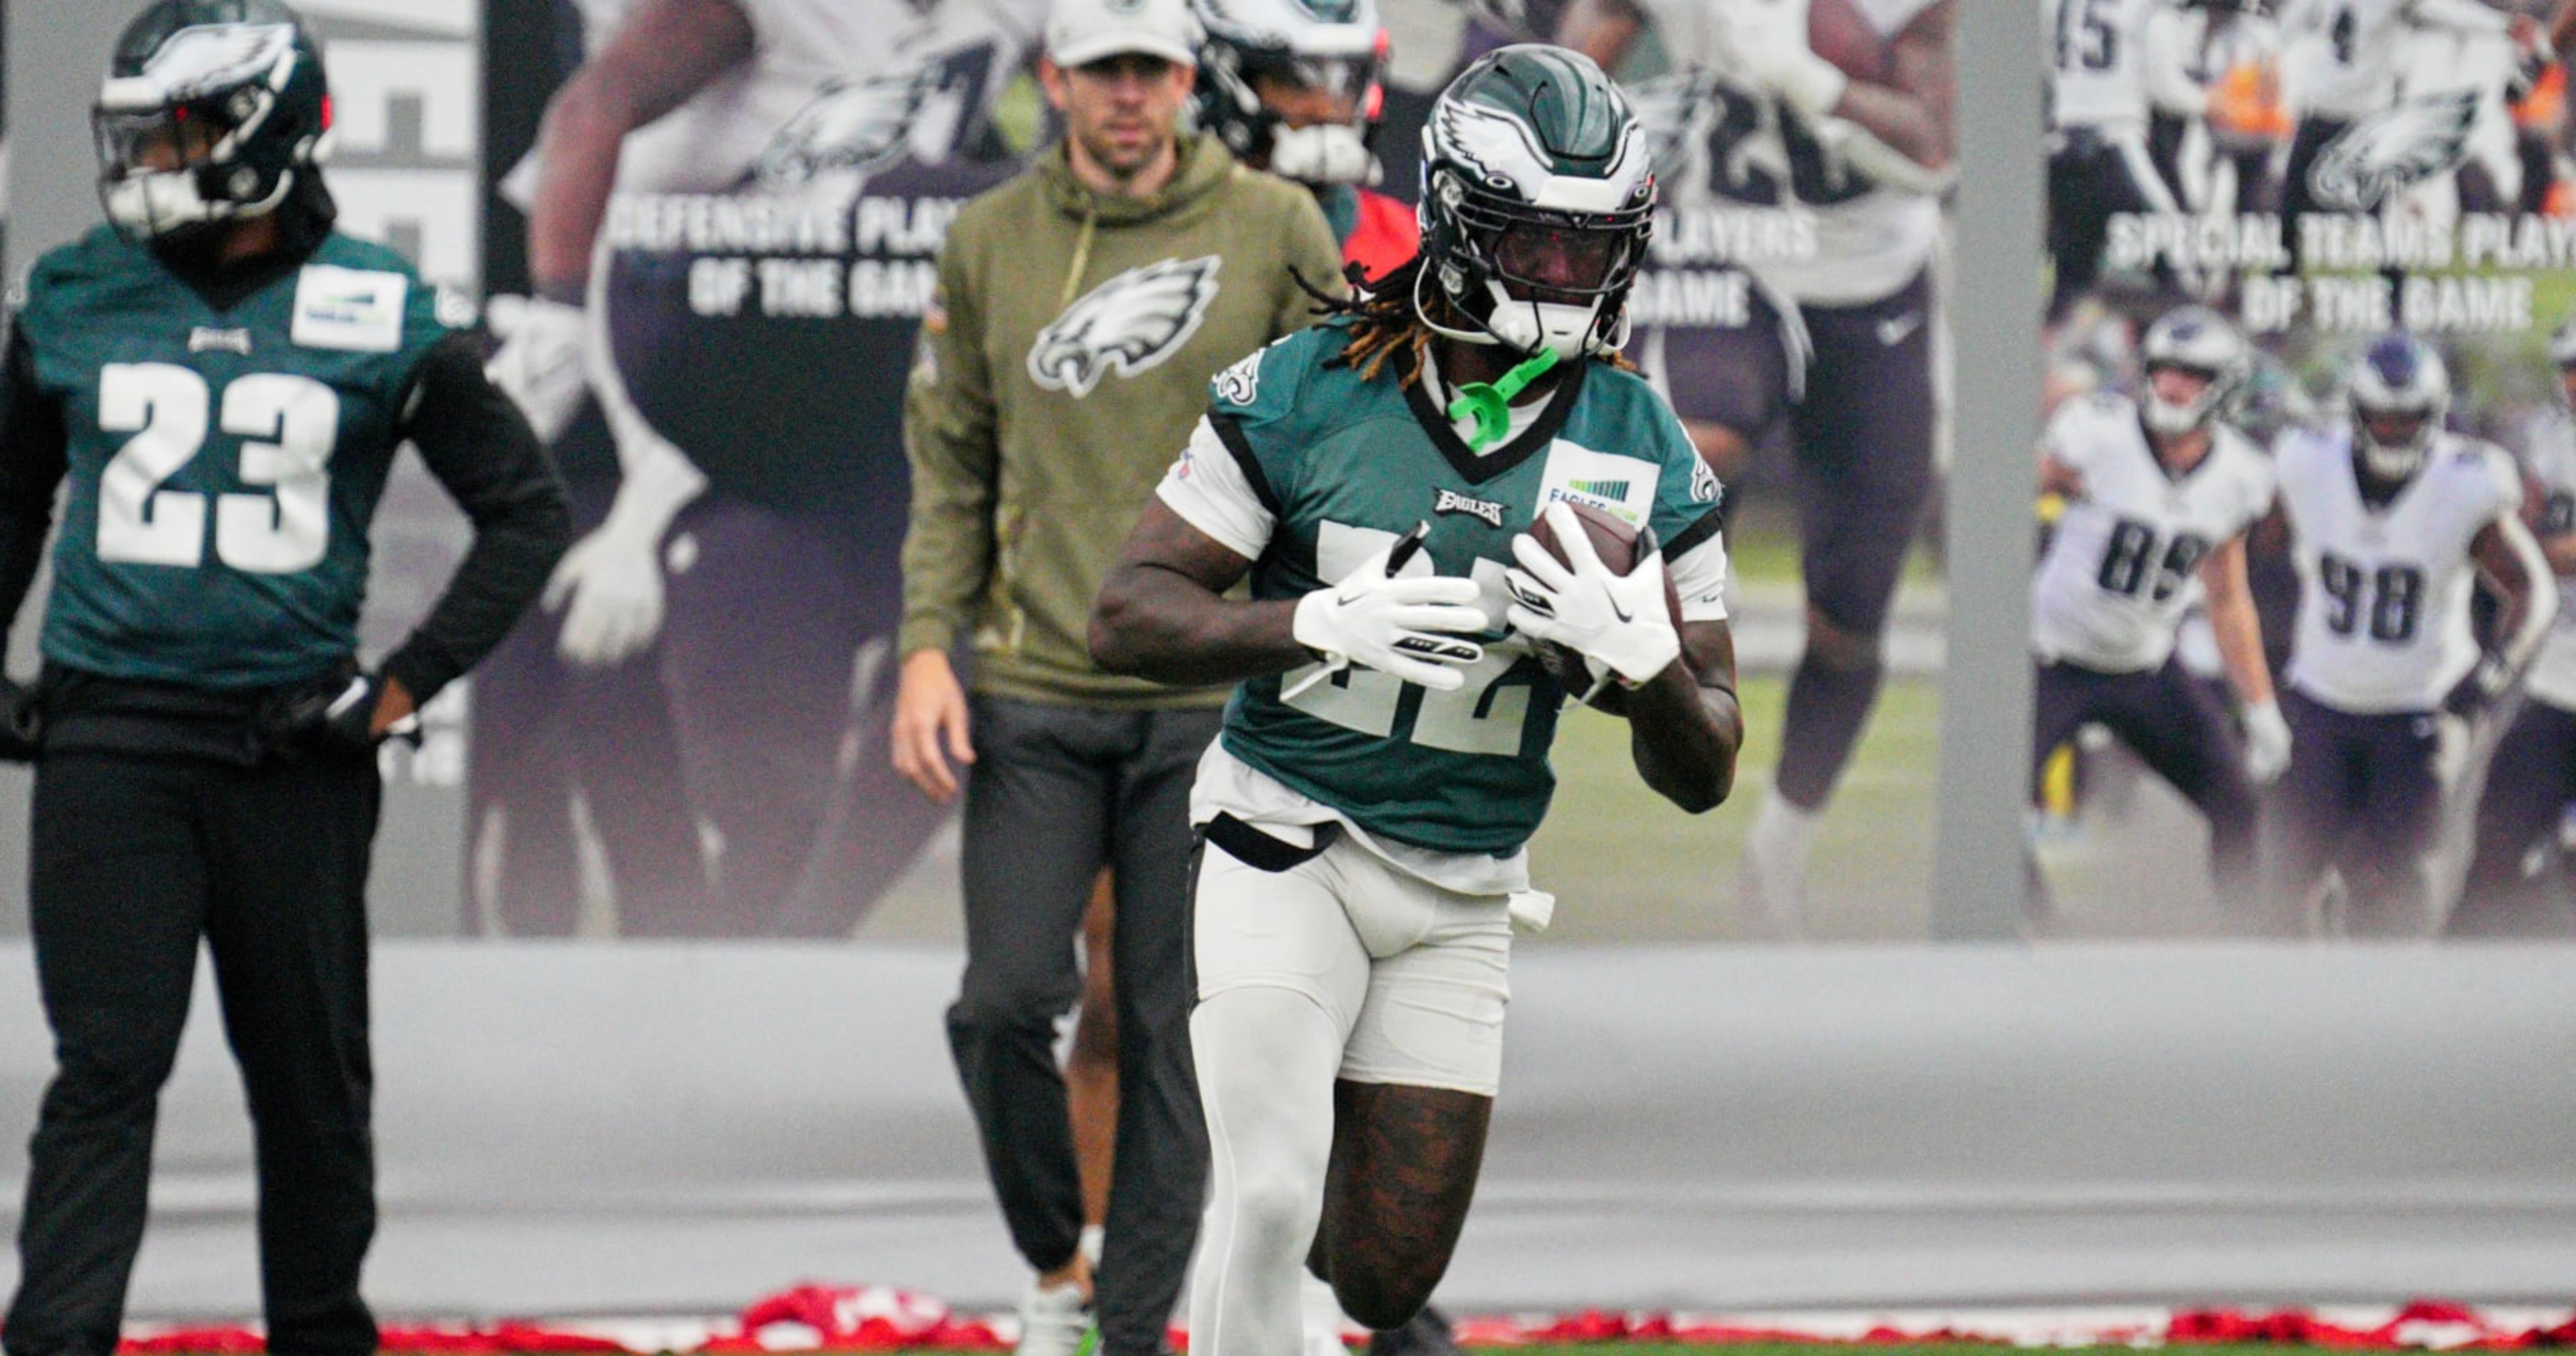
689,741
571,1129
2320,175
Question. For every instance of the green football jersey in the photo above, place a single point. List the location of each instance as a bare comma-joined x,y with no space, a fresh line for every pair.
1345,466
223,464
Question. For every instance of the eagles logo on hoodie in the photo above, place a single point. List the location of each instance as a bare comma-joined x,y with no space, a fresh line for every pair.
1129,324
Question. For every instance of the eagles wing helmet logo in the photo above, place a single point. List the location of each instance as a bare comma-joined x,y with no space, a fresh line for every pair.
202,58
1494,144
1131,323
2393,150
850,125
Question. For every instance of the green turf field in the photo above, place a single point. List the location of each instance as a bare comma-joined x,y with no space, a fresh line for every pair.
1627,866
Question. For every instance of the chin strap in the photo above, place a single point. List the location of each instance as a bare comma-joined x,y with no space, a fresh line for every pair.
1489,404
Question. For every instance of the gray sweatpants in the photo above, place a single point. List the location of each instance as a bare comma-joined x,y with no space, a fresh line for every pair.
1057,792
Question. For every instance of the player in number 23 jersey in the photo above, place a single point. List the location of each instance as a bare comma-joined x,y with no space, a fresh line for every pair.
218,381
1385,759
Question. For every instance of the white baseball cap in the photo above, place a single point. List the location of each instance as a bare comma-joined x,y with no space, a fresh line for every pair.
1079,32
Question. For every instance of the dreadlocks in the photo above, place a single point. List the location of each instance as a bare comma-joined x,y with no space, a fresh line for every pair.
1383,319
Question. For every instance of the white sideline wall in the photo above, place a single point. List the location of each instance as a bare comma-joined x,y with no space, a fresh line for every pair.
569,1130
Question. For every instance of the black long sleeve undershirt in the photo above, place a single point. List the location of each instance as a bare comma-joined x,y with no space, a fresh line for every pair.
33,450
478,445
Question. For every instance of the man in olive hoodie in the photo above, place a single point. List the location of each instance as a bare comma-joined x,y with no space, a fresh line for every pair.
1083,308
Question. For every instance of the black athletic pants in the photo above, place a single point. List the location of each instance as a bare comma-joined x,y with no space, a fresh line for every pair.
2092,178
2178,730
1056,793
2528,788
133,860
2361,796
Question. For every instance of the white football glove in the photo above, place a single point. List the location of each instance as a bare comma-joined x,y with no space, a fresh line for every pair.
1617,621
2267,742
1766,41
1408,627
539,362
609,585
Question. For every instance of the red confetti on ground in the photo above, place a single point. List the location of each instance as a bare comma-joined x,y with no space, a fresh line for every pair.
854,1318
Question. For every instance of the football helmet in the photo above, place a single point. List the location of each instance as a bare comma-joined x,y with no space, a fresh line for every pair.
212,111
1334,49
1537,201
2193,339
2397,376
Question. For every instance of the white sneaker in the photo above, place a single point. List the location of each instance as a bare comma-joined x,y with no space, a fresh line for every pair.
1055,1320
1321,1316
1775,871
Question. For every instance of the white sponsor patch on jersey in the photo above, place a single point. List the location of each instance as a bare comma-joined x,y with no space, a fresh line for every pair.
359,310
1623,487
1129,324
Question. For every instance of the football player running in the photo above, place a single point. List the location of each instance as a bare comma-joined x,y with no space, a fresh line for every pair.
1868,160
1366,812
2340,64
2394,522
2533,776
2098,163
1297,88
747,551
2160,492
218,381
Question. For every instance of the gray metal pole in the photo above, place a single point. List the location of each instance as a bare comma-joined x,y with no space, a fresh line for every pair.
1994,309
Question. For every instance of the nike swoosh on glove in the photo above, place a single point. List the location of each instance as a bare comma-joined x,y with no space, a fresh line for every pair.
1616,620
1409,627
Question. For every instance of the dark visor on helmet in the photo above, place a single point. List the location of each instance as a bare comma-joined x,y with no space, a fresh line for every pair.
176,137
1579,255
1342,77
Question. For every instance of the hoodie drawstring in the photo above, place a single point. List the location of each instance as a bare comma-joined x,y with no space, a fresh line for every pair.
1081,255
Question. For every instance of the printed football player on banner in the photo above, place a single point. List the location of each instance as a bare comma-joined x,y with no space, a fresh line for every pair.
2368,191
732,209
1814,144
2159,494
2517,880
2392,515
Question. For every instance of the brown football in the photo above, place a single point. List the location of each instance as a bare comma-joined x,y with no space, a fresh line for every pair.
1615,542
